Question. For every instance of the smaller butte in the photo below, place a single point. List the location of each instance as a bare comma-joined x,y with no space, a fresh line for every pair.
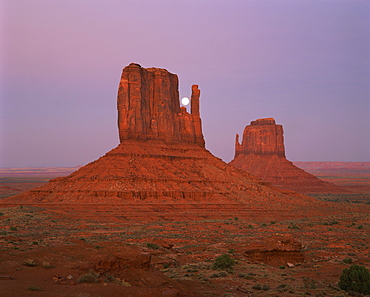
262,153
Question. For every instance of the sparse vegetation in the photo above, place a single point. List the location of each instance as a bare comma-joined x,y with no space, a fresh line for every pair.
224,262
152,246
30,263
331,223
347,261
261,287
34,288
309,283
47,265
293,226
204,240
88,278
231,251
356,279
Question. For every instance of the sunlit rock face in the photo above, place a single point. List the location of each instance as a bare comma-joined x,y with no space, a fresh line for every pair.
160,162
149,107
262,137
262,154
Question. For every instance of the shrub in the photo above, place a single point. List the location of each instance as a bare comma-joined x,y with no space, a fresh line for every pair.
356,278
261,287
224,262
30,263
152,246
347,261
293,227
231,251
47,265
34,288
87,278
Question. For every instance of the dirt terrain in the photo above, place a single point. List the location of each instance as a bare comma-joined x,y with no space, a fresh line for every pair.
48,251
354,176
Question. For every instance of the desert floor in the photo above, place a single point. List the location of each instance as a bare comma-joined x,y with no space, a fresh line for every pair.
51,252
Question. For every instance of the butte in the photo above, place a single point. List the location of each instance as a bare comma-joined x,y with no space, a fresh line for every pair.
262,154
161,169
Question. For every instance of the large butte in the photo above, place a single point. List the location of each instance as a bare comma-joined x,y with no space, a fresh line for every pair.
161,169
262,154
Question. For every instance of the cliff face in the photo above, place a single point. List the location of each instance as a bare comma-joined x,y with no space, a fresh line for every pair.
262,137
149,107
262,154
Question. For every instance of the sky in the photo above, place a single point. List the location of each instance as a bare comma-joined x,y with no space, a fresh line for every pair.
305,63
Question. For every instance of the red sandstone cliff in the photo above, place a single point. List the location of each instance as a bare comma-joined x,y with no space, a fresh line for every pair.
262,154
262,137
149,107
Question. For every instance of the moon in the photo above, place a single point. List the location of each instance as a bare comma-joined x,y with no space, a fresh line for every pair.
185,101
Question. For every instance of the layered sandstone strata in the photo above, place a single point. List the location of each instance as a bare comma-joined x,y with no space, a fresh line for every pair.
262,154
262,137
149,107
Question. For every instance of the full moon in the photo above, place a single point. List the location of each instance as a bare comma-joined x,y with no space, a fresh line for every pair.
185,101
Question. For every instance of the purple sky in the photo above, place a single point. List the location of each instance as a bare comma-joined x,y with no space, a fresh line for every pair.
304,62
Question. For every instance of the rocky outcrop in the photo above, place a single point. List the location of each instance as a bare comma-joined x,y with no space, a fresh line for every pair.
262,154
276,251
262,137
149,107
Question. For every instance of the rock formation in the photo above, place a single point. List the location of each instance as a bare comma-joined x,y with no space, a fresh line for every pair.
149,107
263,137
276,251
161,162
262,154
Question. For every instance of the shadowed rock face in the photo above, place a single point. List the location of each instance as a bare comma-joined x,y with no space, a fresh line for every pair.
262,154
149,107
262,137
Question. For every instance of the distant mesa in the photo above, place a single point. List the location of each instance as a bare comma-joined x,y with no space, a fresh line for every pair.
262,154
161,161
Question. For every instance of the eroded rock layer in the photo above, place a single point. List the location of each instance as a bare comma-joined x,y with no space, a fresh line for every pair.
262,137
149,107
157,172
262,154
